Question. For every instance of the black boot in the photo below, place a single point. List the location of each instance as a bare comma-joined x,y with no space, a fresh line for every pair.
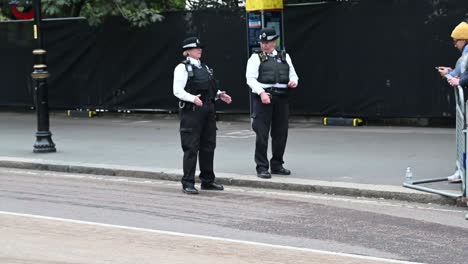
189,190
212,186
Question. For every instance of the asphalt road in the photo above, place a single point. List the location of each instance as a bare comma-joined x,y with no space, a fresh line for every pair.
136,213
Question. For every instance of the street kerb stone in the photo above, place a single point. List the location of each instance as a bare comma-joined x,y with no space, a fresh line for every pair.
278,183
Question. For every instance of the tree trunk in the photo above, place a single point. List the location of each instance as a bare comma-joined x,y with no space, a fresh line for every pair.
76,9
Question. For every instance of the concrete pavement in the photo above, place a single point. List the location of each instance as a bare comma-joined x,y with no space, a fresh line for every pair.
362,161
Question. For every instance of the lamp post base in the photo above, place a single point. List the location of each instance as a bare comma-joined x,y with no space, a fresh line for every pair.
44,143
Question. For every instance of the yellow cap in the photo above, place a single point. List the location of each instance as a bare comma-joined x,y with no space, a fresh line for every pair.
460,31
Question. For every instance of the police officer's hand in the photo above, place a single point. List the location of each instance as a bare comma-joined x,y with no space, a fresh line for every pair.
198,101
292,84
444,70
454,81
225,97
265,98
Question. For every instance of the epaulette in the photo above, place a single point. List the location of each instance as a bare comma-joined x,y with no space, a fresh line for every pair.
262,56
281,55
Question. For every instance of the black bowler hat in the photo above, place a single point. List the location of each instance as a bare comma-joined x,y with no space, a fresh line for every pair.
268,34
192,42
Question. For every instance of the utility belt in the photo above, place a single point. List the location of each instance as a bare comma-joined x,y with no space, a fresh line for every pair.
184,105
277,91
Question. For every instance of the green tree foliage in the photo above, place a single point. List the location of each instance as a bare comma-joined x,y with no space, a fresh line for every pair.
2,16
4,11
205,4
138,12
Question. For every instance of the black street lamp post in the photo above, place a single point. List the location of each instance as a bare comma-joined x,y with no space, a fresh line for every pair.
44,143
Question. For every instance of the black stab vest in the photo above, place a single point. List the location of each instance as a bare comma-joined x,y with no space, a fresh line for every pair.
200,81
273,70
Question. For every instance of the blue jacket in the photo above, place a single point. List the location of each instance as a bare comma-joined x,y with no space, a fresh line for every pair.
461,68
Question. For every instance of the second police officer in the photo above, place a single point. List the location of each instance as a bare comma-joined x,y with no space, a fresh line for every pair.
270,73
197,91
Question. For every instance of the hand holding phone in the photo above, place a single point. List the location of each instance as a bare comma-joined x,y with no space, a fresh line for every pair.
443,70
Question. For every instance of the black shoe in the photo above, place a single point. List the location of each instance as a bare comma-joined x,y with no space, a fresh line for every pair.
264,174
281,171
189,190
212,186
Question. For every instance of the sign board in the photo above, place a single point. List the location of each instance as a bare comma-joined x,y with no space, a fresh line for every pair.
253,5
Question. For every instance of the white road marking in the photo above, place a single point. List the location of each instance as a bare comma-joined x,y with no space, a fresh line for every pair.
241,137
139,122
233,189
238,134
350,200
370,129
241,132
154,231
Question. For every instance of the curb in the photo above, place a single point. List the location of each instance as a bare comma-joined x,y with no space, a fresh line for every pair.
277,183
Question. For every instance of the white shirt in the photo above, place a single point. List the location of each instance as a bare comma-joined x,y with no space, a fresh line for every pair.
180,81
252,73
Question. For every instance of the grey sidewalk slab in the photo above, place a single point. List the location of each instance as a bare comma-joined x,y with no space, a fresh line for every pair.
367,156
370,155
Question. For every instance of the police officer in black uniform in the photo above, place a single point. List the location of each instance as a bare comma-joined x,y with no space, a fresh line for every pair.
270,74
197,91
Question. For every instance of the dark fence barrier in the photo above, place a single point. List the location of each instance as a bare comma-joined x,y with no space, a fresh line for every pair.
357,58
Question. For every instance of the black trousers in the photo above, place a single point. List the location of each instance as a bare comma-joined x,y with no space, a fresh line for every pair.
198,138
274,117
